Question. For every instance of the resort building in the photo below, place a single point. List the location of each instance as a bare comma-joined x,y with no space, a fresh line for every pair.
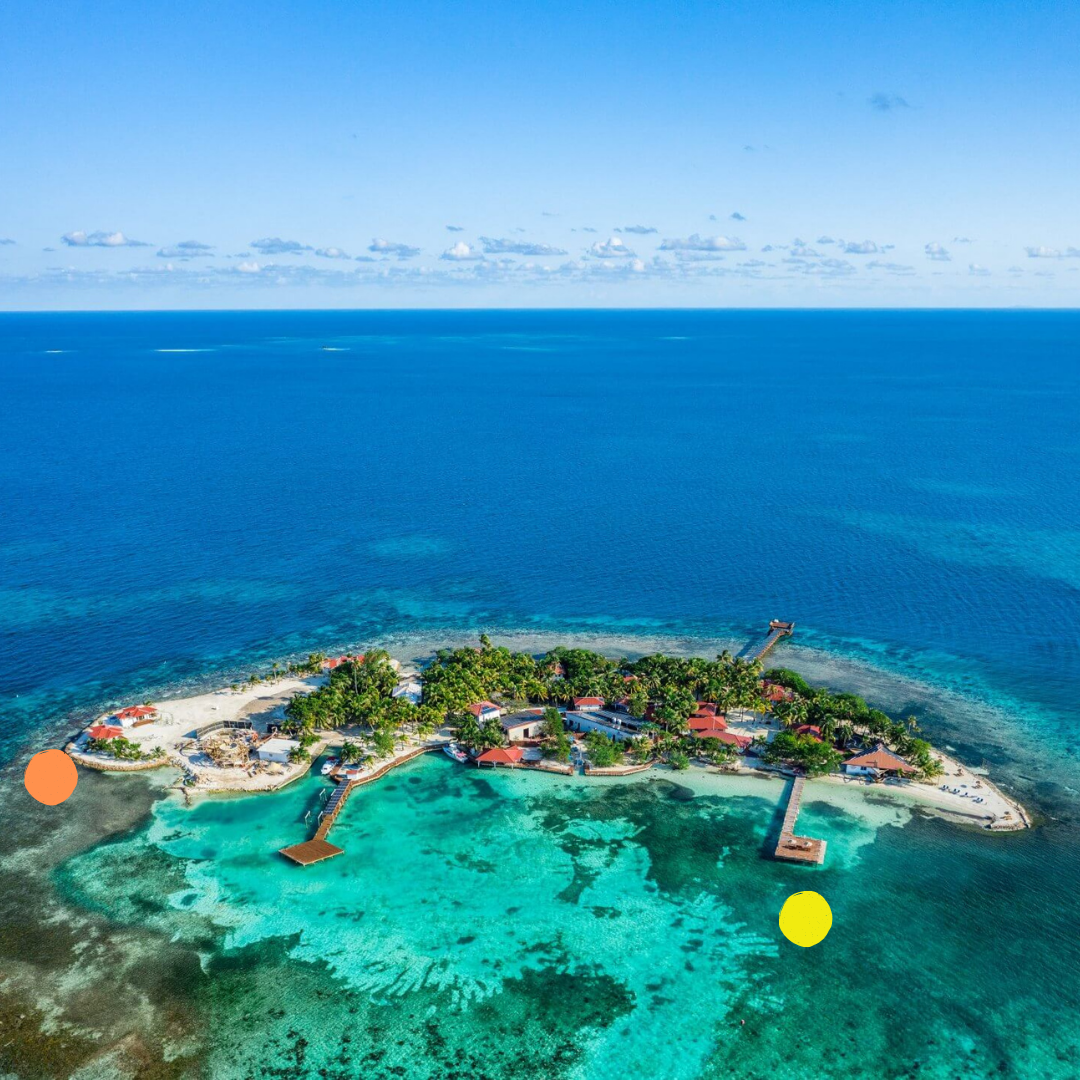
775,693
588,704
276,750
485,711
501,755
616,727
135,716
333,662
876,762
523,725
410,689
740,742
699,722
809,729
105,731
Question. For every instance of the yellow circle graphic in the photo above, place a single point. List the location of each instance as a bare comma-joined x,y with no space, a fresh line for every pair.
805,918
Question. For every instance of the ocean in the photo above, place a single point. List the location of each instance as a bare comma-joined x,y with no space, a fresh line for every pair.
186,497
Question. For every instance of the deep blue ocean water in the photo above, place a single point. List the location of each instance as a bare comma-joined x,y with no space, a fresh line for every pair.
186,491
184,497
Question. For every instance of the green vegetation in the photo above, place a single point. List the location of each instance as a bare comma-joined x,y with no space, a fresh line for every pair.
557,742
123,749
804,752
665,689
603,752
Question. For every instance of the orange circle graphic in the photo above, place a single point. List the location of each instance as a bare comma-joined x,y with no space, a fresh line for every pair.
51,777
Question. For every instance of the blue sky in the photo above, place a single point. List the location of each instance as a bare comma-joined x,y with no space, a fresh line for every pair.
197,154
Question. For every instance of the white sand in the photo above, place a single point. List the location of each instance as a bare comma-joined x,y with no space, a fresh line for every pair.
181,719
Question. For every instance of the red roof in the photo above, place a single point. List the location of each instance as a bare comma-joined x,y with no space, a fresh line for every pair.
136,712
105,731
809,729
774,692
501,755
699,722
336,661
581,702
881,758
479,707
741,741
706,707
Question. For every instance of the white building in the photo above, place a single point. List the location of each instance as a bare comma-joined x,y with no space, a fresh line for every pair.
411,689
277,750
485,711
588,704
523,725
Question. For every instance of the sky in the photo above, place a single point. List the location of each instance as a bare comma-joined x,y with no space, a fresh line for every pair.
340,154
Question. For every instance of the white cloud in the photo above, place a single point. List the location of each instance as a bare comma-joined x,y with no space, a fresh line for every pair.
186,249
518,247
455,228
889,267
462,252
859,247
937,252
390,247
979,271
825,240
332,253
100,239
638,230
249,268
703,243
274,245
736,216
1052,253
612,248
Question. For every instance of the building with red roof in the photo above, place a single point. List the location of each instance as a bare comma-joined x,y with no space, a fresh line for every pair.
332,662
588,704
485,710
774,692
135,715
706,708
877,761
740,742
105,731
703,722
809,729
501,755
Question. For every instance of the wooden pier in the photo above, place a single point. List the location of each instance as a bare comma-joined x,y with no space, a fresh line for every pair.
777,630
318,848
792,848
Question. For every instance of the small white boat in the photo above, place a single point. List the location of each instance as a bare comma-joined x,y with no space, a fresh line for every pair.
456,752
330,765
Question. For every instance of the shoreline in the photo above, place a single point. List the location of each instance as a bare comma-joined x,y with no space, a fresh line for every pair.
180,719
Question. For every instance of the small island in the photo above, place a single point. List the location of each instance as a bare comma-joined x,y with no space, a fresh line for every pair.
569,711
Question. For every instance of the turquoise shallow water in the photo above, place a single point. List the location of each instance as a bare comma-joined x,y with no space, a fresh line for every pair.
504,925
902,485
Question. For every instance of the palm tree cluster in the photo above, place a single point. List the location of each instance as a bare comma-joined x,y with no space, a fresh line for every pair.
846,718
359,694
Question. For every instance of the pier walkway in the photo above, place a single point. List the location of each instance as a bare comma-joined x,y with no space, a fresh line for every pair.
794,848
318,847
777,630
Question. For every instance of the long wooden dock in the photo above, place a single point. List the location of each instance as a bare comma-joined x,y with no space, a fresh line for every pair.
777,630
802,849
318,848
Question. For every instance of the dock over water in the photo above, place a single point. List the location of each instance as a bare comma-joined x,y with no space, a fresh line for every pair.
318,847
792,848
777,630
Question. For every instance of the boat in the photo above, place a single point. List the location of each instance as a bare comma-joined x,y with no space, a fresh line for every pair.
456,752
330,765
